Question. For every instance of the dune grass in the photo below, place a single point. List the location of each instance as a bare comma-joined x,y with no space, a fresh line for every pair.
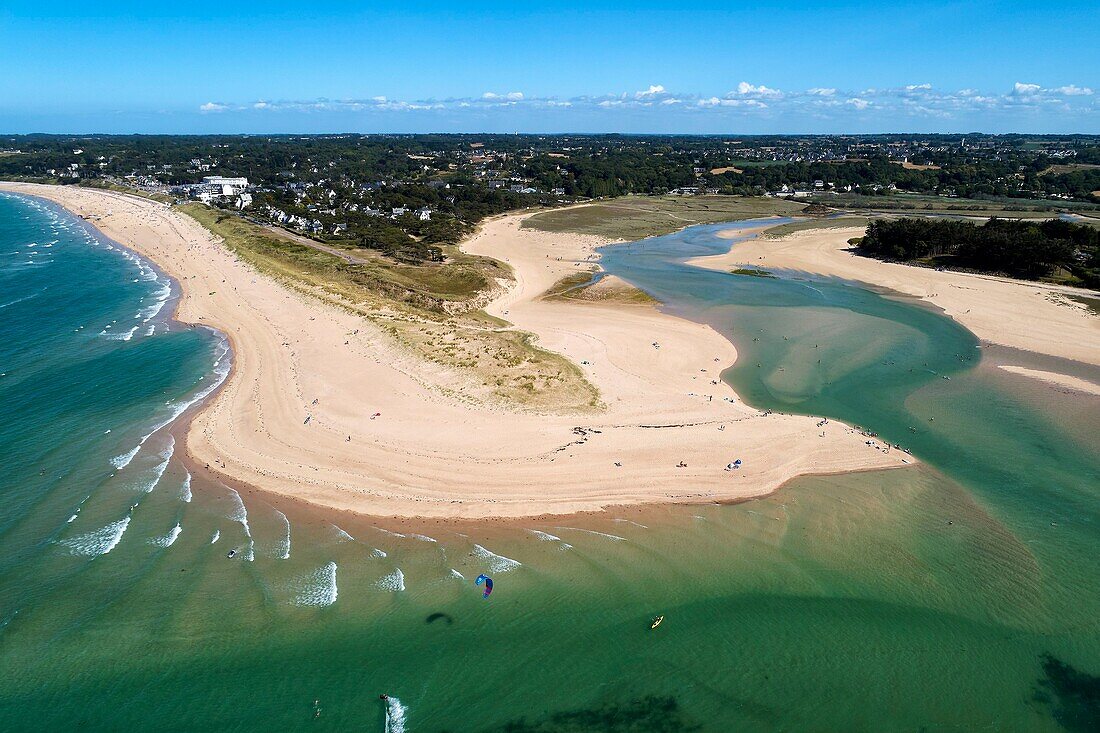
432,310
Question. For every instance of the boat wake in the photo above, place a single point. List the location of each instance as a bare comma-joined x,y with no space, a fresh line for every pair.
395,715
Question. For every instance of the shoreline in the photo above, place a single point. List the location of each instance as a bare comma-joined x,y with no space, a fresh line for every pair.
1025,315
510,464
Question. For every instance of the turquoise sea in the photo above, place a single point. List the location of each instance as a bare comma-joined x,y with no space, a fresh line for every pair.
958,595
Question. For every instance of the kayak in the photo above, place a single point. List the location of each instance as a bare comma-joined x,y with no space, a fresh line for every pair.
656,622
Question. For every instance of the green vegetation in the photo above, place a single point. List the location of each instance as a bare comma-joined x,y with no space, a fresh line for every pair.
750,272
430,309
1004,208
803,225
637,217
1054,249
588,287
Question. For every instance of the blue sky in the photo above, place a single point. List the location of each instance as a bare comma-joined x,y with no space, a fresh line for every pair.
736,67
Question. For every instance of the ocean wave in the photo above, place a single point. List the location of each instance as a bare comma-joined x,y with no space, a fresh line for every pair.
167,540
217,536
627,521
318,588
185,488
20,300
375,552
122,461
547,537
99,542
457,575
118,336
614,537
240,515
395,715
392,534
342,535
282,551
496,563
423,538
394,581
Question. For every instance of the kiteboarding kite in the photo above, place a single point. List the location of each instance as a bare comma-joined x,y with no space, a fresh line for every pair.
488,584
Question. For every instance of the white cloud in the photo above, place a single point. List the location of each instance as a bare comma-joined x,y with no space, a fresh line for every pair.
653,90
510,96
821,91
1074,91
858,102
1021,89
744,88
260,105
213,107
917,87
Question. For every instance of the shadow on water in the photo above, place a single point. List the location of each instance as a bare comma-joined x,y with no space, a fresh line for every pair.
651,714
1076,695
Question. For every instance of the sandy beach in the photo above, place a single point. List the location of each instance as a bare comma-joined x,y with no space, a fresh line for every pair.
1024,315
321,406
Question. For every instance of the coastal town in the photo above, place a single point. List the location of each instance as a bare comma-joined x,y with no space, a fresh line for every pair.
413,193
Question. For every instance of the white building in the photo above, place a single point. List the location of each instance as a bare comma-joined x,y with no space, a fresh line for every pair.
227,186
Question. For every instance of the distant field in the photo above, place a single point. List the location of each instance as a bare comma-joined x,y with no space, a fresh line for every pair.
1069,168
902,204
914,167
807,224
638,217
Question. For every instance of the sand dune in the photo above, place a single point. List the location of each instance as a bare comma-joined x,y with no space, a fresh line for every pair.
431,453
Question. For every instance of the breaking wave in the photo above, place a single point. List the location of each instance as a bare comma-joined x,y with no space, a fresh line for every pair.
99,542
393,582
167,540
496,563
318,588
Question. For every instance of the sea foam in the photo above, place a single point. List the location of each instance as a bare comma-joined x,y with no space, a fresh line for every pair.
318,588
99,542
167,540
395,715
496,563
393,581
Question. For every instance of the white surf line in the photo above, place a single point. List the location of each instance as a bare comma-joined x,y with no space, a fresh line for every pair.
615,537
318,588
100,541
240,515
284,551
496,563
185,489
394,581
627,521
167,540
547,537
342,534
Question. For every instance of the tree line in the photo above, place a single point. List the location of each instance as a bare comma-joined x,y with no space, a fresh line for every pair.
1025,249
